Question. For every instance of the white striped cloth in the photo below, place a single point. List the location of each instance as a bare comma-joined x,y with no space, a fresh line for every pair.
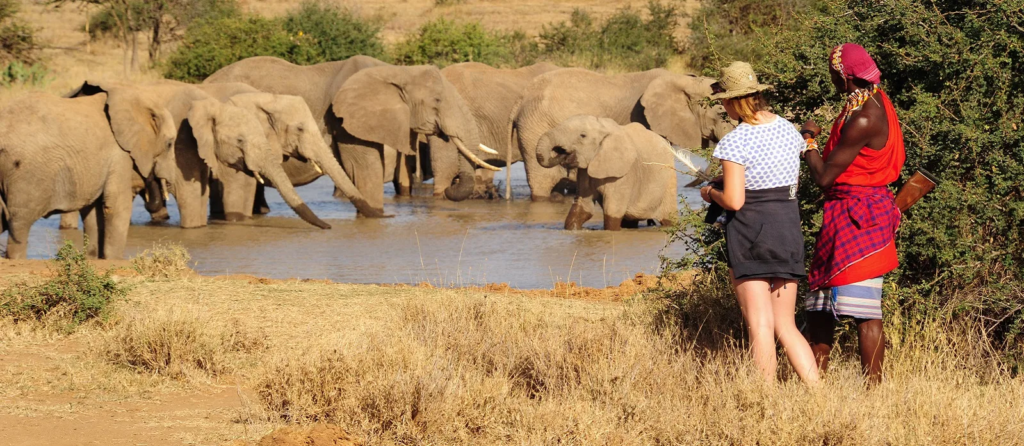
861,300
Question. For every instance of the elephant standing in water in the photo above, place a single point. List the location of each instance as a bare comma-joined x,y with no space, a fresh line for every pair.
490,94
80,154
214,139
667,103
626,169
373,112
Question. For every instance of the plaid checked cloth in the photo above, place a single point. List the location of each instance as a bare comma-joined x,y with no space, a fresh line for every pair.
858,221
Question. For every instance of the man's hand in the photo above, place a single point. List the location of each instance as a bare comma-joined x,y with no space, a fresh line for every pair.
810,126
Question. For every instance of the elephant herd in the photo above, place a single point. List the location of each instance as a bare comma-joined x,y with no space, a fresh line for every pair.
362,122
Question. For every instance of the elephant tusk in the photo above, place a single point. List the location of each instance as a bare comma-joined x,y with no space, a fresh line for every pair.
317,167
472,157
163,188
486,149
258,177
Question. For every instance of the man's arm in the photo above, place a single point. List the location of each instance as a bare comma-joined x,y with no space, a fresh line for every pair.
856,135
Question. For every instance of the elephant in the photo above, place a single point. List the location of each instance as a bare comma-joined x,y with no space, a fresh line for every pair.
372,111
669,104
82,154
214,139
490,93
626,168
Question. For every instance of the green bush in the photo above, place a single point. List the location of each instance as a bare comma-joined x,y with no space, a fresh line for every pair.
725,30
312,34
17,40
444,42
19,73
626,40
325,33
951,71
76,293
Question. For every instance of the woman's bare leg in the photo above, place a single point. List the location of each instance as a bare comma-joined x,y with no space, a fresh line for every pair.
797,349
755,301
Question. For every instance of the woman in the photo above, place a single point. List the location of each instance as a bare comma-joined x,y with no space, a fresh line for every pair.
761,163
856,247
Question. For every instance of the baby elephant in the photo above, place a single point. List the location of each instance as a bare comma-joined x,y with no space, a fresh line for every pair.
624,168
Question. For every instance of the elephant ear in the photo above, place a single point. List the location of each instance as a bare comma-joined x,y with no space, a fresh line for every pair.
672,105
614,158
136,121
202,116
372,108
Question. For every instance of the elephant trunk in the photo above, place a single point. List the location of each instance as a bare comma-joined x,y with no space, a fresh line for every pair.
550,153
275,173
343,183
463,188
154,196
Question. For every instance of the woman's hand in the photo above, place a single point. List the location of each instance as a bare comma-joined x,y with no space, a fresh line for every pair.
810,126
705,193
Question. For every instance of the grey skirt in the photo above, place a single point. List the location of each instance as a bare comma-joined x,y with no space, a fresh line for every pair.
764,239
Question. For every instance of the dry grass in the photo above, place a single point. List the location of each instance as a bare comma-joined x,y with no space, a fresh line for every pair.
440,366
164,260
470,370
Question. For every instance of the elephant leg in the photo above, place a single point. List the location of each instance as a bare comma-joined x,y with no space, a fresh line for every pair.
365,165
612,223
91,230
117,211
403,178
260,205
238,194
69,220
17,237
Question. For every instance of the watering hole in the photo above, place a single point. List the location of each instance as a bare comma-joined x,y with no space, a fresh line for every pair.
439,242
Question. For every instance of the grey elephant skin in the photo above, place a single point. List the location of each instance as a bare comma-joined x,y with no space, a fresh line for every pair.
372,112
63,155
214,139
627,169
667,103
490,93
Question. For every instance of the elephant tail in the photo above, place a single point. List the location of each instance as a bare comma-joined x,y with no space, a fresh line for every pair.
3,213
512,145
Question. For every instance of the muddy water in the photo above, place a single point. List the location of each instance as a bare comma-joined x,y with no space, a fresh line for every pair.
439,242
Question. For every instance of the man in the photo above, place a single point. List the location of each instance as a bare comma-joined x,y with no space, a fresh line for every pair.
856,246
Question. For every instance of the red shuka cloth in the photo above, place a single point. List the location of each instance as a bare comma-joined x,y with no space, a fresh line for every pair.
870,168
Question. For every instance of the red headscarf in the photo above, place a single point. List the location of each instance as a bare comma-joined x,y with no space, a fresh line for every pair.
853,61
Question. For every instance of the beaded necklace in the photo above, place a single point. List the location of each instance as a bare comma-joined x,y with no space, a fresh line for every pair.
857,99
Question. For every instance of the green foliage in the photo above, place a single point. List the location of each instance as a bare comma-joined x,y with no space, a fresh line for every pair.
950,69
444,42
312,34
627,40
75,293
324,32
726,30
19,73
17,40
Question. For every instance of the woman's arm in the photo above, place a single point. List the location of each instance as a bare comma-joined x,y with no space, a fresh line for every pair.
733,195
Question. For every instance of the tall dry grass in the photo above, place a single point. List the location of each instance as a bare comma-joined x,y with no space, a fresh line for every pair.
470,370
165,260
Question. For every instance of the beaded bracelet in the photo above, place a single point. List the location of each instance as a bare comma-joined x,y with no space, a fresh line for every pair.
812,144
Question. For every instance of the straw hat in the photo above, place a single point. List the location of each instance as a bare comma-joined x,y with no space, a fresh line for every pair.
738,79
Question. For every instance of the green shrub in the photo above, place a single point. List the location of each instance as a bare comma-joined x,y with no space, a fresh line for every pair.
444,42
212,44
725,30
76,293
626,40
950,70
19,73
17,40
312,34
325,32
